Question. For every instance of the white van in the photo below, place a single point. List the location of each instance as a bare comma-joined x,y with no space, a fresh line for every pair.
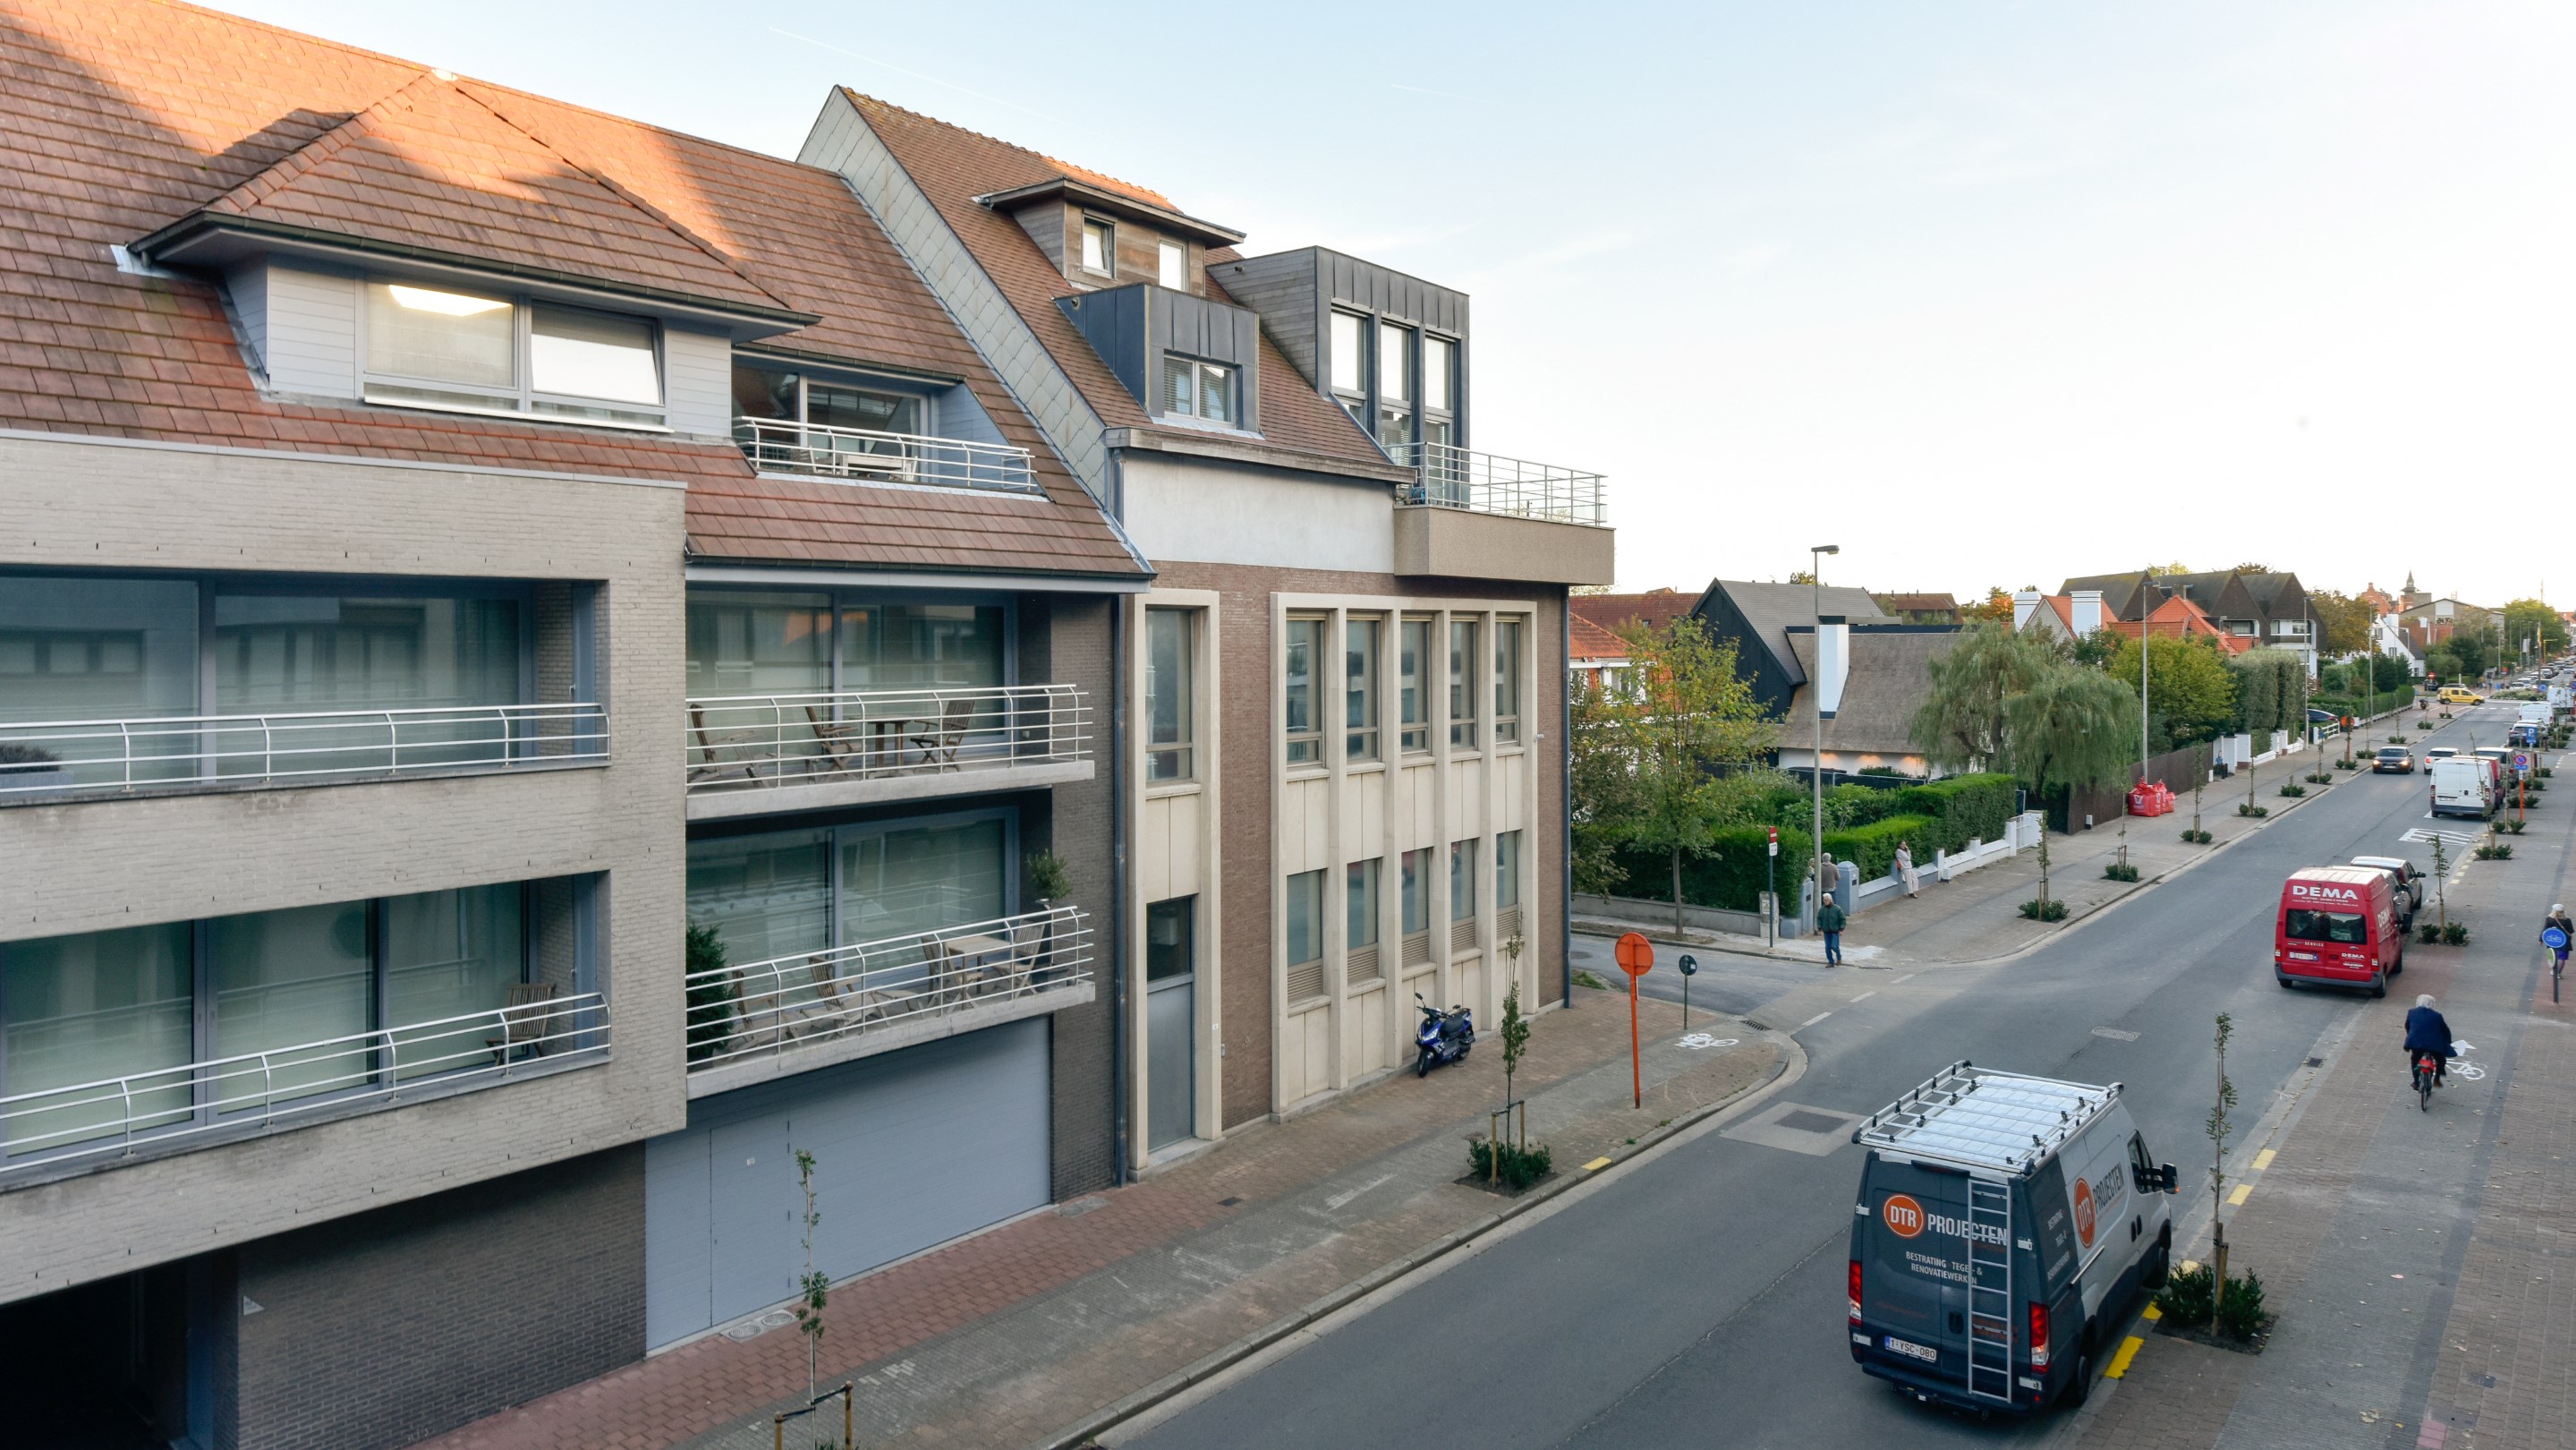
2463,785
2002,1222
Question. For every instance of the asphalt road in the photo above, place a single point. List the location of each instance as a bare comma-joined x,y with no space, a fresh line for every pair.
1699,1299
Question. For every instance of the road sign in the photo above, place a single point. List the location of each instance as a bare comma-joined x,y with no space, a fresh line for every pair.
1775,840
2554,939
2521,761
1635,954
1689,965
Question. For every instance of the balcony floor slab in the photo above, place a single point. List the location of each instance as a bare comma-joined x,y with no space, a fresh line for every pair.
890,1037
723,802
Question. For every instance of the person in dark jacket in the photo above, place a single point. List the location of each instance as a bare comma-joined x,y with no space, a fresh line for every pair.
2427,1032
1830,919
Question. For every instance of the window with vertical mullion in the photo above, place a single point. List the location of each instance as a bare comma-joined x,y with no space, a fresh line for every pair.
1360,665
1170,665
1463,660
1413,684
1507,681
1301,653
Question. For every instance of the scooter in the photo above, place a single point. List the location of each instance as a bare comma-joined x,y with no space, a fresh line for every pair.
1443,1037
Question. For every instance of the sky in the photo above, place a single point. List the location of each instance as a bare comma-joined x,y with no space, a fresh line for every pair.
1987,294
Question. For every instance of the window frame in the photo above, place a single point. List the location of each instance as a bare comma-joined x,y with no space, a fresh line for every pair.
1507,868
1507,673
1396,406
1172,264
1462,871
1465,683
1361,737
522,399
1363,885
1414,708
1444,414
1108,246
1202,371
1302,747
1316,923
1184,748
1353,397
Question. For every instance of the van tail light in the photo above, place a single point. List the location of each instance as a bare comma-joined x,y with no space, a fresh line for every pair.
1855,1291
2039,1336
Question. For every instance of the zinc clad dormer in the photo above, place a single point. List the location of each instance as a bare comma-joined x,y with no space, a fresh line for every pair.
1106,233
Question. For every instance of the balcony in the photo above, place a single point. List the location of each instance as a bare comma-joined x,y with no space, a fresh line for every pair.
55,761
195,1105
860,455
764,1020
1481,516
752,754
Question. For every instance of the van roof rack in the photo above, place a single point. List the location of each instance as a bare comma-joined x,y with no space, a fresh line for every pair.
1976,1117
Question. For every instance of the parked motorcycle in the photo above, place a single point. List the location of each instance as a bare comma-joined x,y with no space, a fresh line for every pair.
1443,1037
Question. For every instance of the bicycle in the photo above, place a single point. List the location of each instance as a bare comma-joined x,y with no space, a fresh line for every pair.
2428,1067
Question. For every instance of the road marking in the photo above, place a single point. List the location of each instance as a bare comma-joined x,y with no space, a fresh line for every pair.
2129,1348
2154,1313
1892,981
1812,1021
1335,1202
2115,1034
1865,996
2243,1192
1596,1165
2263,1160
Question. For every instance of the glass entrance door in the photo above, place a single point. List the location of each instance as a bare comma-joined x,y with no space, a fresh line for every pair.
1171,1012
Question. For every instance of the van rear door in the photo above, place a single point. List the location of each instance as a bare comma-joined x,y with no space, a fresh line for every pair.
1915,1270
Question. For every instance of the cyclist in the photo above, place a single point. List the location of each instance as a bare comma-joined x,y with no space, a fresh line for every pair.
2567,928
2427,1032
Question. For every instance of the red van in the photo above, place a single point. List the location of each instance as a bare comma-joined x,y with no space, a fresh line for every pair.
2338,927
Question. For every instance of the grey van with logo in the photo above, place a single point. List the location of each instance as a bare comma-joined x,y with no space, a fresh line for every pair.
2002,1220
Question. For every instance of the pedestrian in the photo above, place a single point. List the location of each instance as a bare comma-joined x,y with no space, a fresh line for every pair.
1905,870
1830,918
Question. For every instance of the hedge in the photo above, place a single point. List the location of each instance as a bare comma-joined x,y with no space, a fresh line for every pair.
1963,808
1872,848
1937,815
1729,876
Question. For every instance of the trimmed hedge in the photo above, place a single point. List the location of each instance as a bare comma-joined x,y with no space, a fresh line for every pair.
1872,848
1729,876
1940,815
1965,807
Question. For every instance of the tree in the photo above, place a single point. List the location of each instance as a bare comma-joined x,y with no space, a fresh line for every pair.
2164,571
2070,730
2191,693
816,1287
1802,576
1960,725
2343,622
2271,693
2468,652
2219,1126
1690,715
2528,619
1997,609
2252,569
1603,787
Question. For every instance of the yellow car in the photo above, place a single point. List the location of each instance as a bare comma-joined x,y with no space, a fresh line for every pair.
2458,695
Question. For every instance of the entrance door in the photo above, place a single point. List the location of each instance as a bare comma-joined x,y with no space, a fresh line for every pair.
1171,1015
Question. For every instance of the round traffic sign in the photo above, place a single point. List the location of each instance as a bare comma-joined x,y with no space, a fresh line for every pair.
2521,761
1635,954
1689,965
2554,939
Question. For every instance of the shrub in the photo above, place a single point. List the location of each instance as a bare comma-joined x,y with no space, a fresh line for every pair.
2347,765
2455,934
2118,871
2493,851
2198,838
1520,1167
2187,1300
2319,777
1872,848
2051,910
1728,875
2291,788
1968,808
2240,1314
2515,827
2249,809
2428,932
710,1000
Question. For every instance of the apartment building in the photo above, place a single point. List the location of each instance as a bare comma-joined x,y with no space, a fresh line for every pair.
1344,781
540,675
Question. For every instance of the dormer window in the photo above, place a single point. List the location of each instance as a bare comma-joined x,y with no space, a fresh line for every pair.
1194,389
1099,247
433,347
1175,264
1394,375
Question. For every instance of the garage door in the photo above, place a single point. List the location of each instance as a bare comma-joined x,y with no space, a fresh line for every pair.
910,1149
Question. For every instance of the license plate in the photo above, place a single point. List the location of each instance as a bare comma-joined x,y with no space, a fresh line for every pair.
1923,1352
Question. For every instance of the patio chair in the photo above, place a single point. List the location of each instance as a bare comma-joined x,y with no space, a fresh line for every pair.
713,763
843,743
527,1021
939,741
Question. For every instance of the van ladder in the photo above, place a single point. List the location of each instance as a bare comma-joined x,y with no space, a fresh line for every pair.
1990,1300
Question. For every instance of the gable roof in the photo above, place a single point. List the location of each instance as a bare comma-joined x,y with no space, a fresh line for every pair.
1916,603
1890,676
1655,608
1769,610
2180,618
1588,641
118,117
2212,589
954,167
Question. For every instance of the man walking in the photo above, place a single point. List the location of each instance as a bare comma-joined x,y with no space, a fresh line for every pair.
1829,920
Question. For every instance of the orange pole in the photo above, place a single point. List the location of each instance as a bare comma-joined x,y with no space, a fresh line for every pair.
1636,1054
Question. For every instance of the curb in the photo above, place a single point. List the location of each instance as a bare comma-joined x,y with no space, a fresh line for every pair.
1792,1066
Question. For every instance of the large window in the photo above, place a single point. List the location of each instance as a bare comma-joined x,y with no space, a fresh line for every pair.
793,420
1303,651
434,347
1462,684
1171,657
1305,925
1439,414
1413,683
763,642
1394,375
1507,681
1462,881
319,999
1195,389
1359,691
1507,870
1416,892
773,894
1361,889
1349,373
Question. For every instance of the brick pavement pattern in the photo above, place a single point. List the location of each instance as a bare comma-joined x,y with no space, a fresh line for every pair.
1004,1337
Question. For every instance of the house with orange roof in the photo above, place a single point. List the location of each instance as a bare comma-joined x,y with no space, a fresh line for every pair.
2180,618
1594,650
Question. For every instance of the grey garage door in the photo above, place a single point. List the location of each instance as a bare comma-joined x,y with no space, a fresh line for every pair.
911,1149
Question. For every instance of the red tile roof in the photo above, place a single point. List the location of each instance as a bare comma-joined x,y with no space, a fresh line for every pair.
2180,618
1589,641
953,166
1610,613
118,117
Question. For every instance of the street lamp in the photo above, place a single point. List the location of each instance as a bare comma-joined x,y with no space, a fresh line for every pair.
1816,698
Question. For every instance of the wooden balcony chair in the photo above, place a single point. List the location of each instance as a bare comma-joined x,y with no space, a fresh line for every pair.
527,1021
843,744
940,740
719,755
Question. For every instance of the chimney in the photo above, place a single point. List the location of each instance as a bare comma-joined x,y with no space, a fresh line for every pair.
1833,664
2087,609
2025,604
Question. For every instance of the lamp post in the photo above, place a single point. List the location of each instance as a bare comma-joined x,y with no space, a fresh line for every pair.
1816,697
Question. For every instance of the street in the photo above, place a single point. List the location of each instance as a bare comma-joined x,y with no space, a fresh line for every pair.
1697,1299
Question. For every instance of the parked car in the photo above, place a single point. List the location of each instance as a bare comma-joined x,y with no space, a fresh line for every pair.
2403,876
2040,1193
2458,695
2393,760
2337,927
2321,717
2464,786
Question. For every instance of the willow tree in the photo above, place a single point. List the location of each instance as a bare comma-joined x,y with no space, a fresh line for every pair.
1961,723
1687,717
2070,729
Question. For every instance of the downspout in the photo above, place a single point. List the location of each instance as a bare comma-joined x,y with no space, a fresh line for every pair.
1120,1071
1565,794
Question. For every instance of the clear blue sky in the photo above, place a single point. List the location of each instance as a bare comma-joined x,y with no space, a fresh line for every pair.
1985,293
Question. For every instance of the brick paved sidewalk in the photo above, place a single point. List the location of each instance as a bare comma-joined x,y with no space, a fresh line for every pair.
1008,1338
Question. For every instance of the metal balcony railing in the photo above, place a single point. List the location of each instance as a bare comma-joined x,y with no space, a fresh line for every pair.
859,454
182,752
772,1007
1454,478
244,1095
736,741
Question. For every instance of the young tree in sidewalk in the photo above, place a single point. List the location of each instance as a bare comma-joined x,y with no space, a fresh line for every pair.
2072,730
1688,714
1604,785
1960,725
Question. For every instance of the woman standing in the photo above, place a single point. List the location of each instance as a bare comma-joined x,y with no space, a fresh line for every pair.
1905,869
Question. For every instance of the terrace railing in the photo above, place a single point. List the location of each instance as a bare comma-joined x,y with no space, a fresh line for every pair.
863,455
738,741
1454,478
774,1007
180,752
